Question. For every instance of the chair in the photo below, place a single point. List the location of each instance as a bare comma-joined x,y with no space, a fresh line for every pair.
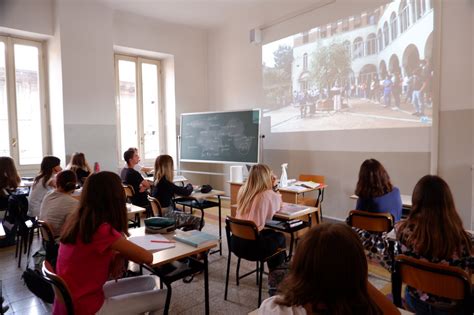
247,230
61,291
437,279
313,202
49,242
371,221
155,206
22,225
129,192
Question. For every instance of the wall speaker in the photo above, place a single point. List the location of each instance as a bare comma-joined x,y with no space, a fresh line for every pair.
255,36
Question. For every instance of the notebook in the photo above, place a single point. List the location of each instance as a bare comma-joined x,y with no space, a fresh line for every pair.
290,208
195,238
153,243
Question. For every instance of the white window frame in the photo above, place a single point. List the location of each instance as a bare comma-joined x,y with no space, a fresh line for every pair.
139,93
11,100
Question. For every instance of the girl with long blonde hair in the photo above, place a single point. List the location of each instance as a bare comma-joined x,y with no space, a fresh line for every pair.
257,202
164,190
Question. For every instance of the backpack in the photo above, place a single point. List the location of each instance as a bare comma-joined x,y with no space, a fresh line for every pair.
15,216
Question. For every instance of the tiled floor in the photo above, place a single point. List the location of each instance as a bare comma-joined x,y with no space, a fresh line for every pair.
186,298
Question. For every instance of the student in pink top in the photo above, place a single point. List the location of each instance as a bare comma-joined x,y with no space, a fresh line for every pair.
257,202
94,249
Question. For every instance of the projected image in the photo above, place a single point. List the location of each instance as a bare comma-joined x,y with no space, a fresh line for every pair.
371,70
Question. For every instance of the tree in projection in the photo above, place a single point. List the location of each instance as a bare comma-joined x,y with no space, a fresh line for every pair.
277,79
331,64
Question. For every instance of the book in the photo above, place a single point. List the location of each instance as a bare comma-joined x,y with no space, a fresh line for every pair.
195,238
295,188
308,184
294,223
290,208
152,243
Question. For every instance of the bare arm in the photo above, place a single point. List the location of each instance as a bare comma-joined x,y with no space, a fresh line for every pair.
132,251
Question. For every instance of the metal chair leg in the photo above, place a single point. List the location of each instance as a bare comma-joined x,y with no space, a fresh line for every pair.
237,272
260,283
227,276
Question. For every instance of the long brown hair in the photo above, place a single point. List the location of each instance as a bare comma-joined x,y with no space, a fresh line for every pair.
373,180
9,178
329,273
102,201
48,164
78,161
259,180
163,168
437,228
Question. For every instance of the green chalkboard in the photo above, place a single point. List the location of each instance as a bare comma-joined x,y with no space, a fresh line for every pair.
220,137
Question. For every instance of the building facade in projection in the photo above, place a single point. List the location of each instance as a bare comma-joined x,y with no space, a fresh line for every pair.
393,39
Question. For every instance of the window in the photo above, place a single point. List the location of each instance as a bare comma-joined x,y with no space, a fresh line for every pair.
371,44
404,16
386,36
358,50
305,61
393,25
22,104
139,105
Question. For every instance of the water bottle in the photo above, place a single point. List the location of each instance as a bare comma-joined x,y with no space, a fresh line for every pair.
96,167
284,175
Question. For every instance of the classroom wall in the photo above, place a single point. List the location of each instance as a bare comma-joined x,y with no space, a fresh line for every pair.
236,81
27,16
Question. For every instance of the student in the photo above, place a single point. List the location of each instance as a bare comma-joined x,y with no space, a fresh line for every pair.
328,275
93,248
257,202
43,183
138,167
9,180
376,192
133,178
164,189
79,166
434,232
58,204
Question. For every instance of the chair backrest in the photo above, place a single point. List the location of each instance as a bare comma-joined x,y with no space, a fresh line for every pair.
155,206
313,178
61,290
129,191
437,279
241,228
46,231
370,221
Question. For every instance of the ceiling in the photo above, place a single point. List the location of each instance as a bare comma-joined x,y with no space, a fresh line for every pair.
209,13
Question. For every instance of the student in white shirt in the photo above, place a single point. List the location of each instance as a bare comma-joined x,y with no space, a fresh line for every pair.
58,204
43,183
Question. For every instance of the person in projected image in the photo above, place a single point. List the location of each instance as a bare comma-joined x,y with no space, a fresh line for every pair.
396,90
387,91
417,95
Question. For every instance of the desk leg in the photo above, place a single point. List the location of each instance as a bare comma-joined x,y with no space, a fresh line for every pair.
220,226
168,298
292,240
206,283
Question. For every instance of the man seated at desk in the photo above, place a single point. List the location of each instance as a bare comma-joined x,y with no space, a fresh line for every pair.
143,170
133,178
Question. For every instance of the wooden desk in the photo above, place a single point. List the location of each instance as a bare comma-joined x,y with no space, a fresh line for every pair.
181,250
287,194
402,312
198,200
176,179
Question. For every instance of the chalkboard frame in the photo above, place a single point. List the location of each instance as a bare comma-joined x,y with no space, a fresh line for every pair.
222,112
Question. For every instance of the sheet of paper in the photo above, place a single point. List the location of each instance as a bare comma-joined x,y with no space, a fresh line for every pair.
146,241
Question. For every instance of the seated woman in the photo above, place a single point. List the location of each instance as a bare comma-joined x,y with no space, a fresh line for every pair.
93,248
328,275
79,166
58,204
9,180
164,189
376,192
434,231
257,202
43,183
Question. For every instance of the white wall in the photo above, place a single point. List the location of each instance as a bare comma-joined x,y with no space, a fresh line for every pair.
235,81
27,16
